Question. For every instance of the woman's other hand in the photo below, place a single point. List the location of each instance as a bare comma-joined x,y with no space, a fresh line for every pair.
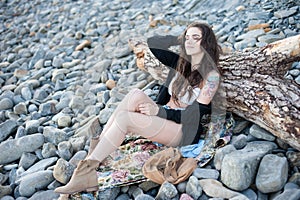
148,108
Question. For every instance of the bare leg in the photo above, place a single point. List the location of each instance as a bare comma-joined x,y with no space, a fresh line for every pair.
152,127
125,120
129,103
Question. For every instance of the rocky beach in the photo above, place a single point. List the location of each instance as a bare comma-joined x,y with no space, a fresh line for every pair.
65,66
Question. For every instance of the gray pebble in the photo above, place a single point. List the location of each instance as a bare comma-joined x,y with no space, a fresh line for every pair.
6,104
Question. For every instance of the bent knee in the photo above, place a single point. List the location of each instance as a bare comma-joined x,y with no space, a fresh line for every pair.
137,95
134,91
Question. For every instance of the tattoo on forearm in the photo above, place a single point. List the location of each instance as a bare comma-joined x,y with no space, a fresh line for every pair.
211,86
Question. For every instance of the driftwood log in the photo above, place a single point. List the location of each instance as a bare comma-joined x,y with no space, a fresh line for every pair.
256,88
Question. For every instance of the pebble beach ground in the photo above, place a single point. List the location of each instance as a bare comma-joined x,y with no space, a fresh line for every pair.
66,63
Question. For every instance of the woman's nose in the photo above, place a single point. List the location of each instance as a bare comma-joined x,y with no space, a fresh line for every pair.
189,41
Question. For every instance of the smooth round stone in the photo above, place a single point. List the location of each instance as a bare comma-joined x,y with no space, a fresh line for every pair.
110,84
6,104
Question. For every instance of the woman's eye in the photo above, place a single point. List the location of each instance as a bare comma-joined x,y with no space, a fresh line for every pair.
195,38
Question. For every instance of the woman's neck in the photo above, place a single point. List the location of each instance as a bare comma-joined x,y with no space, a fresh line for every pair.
196,59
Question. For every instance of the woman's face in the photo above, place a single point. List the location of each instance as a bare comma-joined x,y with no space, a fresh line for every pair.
192,41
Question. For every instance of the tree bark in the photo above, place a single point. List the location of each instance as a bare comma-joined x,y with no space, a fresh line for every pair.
256,88
257,91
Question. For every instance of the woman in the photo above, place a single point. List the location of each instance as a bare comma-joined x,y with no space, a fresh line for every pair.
174,120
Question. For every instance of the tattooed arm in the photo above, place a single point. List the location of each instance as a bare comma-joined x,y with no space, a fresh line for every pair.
211,84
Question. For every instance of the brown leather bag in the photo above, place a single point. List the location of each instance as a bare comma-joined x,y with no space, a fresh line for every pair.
169,165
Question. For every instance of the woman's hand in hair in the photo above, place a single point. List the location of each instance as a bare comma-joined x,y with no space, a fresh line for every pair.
148,108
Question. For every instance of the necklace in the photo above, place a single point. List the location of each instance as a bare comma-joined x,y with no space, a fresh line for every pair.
194,67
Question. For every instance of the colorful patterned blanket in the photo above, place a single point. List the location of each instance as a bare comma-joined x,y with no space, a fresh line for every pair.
124,166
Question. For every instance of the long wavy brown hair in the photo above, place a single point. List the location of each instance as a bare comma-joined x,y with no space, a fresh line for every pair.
190,79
